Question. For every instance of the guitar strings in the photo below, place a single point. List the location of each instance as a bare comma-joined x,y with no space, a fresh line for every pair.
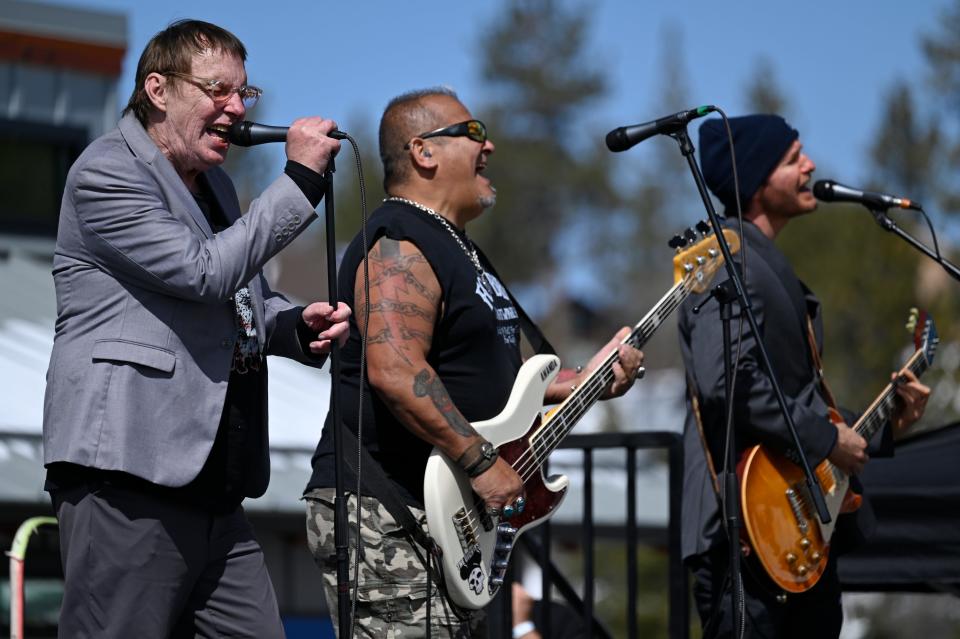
876,418
869,426
597,382
531,459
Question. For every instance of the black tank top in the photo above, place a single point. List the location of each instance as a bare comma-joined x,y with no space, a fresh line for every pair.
475,350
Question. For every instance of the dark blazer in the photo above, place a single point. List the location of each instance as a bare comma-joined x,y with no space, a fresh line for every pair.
780,303
145,327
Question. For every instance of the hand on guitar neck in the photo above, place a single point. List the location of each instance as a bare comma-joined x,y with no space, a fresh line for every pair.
912,398
626,369
849,454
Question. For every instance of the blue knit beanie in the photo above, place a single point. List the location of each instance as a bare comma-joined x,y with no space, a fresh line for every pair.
760,141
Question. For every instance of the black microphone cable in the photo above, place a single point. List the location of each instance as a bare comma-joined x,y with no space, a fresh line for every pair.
933,233
738,585
358,554
247,134
340,135
728,580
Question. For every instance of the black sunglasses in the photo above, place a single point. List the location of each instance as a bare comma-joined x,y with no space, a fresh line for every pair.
473,129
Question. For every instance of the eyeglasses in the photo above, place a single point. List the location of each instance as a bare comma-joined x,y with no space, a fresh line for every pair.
219,92
473,129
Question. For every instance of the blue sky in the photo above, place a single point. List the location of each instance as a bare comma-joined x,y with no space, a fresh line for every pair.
834,60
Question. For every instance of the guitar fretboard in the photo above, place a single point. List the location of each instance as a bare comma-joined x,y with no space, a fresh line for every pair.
562,421
879,412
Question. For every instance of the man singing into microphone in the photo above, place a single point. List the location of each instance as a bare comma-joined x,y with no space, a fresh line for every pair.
774,176
155,417
443,337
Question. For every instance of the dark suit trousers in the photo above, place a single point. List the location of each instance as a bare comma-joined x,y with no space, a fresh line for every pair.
143,565
815,613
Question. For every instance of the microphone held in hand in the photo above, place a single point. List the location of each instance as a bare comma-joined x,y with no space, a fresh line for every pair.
830,191
622,138
251,134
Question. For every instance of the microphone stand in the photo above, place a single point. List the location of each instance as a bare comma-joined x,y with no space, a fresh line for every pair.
888,224
339,505
731,496
725,295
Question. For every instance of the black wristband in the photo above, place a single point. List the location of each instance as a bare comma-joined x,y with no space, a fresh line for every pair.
477,458
312,184
482,466
305,335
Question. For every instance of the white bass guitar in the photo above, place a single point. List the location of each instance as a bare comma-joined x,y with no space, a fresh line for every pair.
476,547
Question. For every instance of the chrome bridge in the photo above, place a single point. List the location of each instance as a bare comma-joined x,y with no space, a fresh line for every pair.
465,531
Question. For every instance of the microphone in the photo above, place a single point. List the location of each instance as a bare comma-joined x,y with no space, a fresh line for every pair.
251,134
830,191
624,137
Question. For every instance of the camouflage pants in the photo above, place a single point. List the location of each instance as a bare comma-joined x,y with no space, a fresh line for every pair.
392,591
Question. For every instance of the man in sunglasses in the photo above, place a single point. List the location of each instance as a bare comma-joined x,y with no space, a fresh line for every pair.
155,418
443,350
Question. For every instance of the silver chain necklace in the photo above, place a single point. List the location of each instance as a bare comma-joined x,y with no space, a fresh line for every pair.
471,252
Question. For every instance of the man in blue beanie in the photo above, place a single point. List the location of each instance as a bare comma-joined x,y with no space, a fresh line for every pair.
774,176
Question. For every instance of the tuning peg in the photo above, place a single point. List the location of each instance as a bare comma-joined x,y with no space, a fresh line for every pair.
677,242
691,235
913,319
703,227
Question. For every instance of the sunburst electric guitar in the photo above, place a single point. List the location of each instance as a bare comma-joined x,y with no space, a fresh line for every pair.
476,547
780,520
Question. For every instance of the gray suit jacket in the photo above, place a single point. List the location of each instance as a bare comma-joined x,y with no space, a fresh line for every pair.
145,327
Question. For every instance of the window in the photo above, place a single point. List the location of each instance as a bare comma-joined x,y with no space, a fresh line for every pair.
34,160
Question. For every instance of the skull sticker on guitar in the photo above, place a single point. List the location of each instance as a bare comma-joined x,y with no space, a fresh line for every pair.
471,572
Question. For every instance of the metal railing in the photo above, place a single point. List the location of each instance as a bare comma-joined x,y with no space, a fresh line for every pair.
18,555
538,542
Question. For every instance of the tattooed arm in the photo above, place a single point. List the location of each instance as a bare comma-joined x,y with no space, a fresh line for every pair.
405,302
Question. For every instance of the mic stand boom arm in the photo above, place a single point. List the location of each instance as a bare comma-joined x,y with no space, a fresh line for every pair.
686,148
888,224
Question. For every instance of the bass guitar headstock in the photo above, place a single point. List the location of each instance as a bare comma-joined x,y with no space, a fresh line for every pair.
925,337
698,255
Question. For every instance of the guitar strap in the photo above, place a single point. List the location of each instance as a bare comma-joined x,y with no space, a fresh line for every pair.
376,483
530,330
695,408
818,367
